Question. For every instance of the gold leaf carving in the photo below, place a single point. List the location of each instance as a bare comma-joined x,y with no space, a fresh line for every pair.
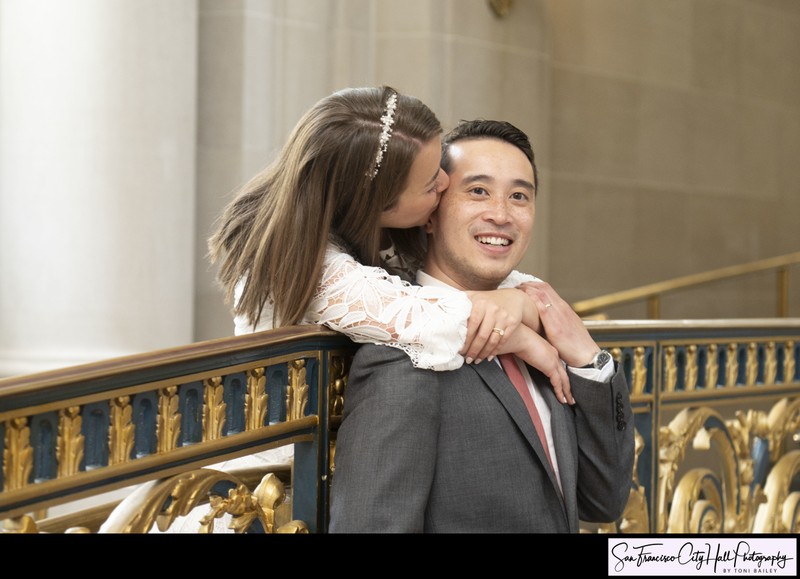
70,443
17,454
751,370
213,409
731,366
122,433
256,401
783,420
639,374
297,391
770,364
162,502
712,367
779,514
24,525
670,371
788,362
690,379
168,425
337,385
698,427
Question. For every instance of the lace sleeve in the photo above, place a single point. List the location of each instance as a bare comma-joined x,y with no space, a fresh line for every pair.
371,306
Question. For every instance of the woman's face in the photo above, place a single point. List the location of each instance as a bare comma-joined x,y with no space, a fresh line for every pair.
424,187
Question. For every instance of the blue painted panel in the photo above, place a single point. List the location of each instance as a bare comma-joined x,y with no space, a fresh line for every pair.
796,353
44,435
276,386
761,358
234,394
680,366
702,361
312,377
95,427
145,417
191,409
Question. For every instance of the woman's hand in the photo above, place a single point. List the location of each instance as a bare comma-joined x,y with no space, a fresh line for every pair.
494,318
539,353
562,327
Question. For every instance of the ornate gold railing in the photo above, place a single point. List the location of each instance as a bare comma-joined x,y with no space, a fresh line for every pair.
716,411
653,292
155,419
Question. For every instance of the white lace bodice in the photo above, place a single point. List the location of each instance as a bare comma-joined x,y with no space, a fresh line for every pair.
371,306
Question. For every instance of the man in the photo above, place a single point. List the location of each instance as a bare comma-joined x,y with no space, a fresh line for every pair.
457,451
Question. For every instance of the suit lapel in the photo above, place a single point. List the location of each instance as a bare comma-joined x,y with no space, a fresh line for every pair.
499,383
560,425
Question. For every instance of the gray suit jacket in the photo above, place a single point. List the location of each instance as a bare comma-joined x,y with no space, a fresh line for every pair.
447,452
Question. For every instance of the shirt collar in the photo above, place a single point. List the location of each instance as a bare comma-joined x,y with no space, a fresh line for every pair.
427,279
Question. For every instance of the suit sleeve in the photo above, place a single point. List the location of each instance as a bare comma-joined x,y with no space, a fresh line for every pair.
386,445
604,423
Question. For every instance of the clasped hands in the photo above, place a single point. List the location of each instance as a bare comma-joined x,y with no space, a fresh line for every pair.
534,323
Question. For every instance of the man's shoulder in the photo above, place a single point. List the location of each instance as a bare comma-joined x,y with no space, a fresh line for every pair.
388,371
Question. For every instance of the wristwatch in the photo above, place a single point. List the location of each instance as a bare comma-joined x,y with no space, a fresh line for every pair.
600,359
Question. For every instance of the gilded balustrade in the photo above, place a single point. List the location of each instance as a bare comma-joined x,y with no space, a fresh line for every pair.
155,419
716,411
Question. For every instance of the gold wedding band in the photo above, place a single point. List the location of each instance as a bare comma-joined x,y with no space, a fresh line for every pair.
548,305
499,331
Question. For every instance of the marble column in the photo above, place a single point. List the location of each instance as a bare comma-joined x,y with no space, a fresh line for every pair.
97,179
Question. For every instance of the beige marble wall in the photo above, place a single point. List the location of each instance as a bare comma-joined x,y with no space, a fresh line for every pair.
674,146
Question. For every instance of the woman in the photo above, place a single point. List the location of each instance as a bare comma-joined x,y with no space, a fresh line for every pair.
305,239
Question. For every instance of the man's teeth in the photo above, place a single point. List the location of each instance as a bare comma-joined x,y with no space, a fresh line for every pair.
493,240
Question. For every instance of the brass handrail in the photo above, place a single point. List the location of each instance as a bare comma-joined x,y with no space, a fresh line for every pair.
653,292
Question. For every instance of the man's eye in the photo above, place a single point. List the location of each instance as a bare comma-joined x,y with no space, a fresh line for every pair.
519,196
479,191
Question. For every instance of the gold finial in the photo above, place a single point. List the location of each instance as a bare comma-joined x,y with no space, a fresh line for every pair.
501,7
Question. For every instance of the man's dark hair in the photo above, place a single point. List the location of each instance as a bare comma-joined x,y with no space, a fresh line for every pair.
487,129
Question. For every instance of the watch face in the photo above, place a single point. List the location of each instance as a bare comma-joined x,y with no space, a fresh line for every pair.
602,359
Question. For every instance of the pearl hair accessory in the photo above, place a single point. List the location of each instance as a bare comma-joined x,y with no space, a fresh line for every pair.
387,120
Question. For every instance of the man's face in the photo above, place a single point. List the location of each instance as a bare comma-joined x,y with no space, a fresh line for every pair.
483,225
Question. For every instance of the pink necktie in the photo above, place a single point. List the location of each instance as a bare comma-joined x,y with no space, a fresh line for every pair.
510,366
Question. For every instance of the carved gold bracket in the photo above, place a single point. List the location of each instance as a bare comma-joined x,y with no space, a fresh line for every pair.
780,513
162,502
213,409
257,399
501,7
297,392
702,500
122,432
680,498
168,425
70,442
17,454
